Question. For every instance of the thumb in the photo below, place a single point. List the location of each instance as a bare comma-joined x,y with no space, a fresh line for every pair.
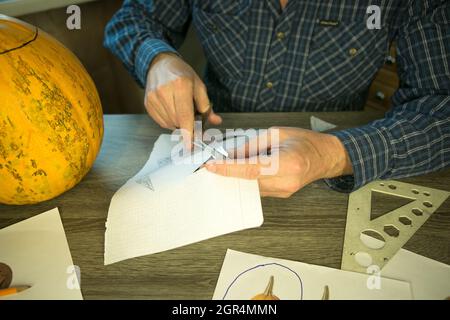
214,118
203,104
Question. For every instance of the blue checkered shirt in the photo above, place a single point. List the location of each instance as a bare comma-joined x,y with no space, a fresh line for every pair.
313,56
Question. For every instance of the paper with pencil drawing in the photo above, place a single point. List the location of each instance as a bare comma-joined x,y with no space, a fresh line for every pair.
148,215
37,252
160,172
245,276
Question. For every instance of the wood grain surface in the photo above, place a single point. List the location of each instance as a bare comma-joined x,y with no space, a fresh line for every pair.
307,227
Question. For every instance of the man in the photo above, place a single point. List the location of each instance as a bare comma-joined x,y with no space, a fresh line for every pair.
298,55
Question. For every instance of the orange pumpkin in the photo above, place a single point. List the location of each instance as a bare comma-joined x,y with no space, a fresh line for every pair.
51,122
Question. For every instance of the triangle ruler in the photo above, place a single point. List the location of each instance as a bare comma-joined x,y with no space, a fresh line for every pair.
373,242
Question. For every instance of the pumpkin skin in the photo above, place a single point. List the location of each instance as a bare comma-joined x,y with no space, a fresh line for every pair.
51,121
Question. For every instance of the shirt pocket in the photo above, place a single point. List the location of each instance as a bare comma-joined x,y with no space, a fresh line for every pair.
228,7
223,38
343,60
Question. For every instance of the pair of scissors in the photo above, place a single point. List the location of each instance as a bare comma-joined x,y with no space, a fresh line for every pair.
203,117
215,149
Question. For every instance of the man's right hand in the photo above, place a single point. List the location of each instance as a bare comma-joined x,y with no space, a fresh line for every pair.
172,92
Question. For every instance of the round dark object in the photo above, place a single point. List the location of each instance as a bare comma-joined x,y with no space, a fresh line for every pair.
5,276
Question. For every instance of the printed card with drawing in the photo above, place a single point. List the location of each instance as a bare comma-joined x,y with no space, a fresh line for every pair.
251,277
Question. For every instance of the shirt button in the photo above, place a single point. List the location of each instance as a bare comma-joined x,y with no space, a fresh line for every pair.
280,35
269,85
213,27
353,52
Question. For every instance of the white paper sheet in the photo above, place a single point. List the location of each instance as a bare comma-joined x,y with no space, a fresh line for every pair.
38,254
429,279
144,220
245,275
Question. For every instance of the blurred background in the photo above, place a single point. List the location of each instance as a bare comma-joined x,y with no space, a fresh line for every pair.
118,90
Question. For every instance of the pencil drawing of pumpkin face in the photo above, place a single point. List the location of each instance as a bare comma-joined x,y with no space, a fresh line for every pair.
268,293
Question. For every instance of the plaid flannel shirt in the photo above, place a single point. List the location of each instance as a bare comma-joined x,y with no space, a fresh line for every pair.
313,56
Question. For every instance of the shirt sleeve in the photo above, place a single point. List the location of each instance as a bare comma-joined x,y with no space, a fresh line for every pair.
414,136
141,29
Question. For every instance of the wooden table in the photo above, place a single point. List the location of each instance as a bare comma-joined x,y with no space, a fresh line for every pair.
307,227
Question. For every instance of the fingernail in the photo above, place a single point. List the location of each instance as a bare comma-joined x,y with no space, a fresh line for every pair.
211,168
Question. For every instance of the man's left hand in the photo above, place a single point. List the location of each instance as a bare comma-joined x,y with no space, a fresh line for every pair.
303,156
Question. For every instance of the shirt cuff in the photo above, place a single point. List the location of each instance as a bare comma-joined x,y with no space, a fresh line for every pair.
370,154
147,51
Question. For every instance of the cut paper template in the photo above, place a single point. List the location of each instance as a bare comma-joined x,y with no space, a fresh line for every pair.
245,275
167,173
145,220
393,229
429,279
320,125
36,250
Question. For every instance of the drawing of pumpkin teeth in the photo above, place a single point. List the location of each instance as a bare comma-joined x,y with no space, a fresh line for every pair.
326,293
268,293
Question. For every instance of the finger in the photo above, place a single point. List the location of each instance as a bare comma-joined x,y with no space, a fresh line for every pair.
254,145
203,104
184,106
280,185
201,97
274,184
166,97
152,106
156,117
214,118
163,112
242,150
275,195
280,134
249,170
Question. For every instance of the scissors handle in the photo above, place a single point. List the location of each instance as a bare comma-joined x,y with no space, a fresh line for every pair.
203,116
